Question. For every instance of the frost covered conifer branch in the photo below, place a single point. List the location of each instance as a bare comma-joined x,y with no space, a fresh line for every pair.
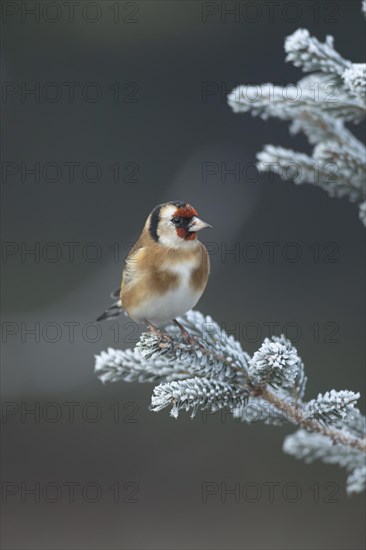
318,105
216,373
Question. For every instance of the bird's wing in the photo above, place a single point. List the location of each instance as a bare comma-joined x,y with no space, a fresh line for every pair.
135,255
127,276
127,273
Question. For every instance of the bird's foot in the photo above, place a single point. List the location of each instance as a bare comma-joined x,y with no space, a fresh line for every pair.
160,334
188,338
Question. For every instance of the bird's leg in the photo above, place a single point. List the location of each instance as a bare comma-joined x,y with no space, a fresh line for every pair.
191,340
159,333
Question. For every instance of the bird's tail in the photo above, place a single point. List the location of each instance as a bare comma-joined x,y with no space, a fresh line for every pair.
114,310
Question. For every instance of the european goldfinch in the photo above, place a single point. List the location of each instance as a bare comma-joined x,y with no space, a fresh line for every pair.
166,270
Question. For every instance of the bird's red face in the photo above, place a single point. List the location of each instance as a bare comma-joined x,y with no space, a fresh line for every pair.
182,219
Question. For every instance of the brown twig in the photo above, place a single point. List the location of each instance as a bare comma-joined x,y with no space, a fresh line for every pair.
295,415
294,412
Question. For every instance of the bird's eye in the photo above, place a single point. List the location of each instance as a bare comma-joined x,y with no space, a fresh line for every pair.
176,220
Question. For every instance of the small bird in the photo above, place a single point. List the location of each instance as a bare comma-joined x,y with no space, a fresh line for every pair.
166,271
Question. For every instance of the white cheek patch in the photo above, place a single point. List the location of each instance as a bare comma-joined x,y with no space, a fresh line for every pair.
166,231
168,235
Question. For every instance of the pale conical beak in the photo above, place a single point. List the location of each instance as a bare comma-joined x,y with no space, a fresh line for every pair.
197,224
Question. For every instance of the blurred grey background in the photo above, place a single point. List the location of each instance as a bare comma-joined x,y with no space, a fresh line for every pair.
129,97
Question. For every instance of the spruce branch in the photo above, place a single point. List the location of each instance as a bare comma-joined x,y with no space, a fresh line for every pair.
362,212
316,446
311,55
296,415
331,406
338,171
268,100
197,393
275,363
131,366
215,373
319,105
354,79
